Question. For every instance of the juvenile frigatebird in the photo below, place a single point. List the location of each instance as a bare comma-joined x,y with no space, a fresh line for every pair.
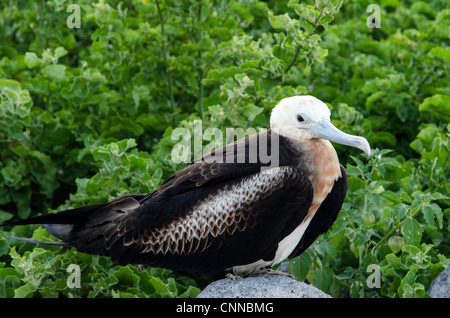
226,216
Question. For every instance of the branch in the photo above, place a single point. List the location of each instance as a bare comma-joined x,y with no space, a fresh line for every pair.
200,71
299,46
166,63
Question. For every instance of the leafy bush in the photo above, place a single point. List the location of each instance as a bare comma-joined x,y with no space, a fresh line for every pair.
87,115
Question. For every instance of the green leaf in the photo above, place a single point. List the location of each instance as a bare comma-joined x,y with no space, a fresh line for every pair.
191,292
251,111
428,133
353,171
408,287
355,183
440,52
412,231
160,288
216,76
25,291
117,149
299,266
430,212
56,72
44,170
324,278
126,276
5,216
438,105
31,60
279,21
22,199
12,173
384,138
429,216
356,289
9,282
60,52
393,260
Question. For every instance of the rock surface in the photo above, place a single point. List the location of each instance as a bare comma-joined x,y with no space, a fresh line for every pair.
440,287
262,286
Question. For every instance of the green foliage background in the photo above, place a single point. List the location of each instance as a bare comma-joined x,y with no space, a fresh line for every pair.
87,114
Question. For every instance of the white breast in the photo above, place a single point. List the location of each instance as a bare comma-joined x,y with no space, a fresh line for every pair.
285,248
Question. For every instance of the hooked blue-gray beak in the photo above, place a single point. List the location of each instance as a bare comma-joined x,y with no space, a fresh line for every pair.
326,130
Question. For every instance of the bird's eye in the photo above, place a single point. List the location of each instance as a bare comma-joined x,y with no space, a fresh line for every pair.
300,118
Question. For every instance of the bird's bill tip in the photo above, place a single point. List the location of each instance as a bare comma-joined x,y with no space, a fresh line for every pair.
365,146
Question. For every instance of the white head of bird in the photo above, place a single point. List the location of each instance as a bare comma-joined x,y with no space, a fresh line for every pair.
304,118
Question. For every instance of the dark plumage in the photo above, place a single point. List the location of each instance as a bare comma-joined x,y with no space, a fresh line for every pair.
211,217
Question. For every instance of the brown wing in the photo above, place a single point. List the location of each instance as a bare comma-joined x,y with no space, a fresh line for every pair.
236,224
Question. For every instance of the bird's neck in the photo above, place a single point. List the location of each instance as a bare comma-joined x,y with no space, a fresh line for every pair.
321,164
322,158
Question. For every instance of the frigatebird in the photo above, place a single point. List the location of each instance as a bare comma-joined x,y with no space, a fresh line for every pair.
226,216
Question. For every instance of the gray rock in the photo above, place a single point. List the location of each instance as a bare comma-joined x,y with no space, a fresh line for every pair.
261,286
440,287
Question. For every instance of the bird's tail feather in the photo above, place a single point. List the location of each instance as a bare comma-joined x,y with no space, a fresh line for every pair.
23,239
62,223
71,216
57,224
